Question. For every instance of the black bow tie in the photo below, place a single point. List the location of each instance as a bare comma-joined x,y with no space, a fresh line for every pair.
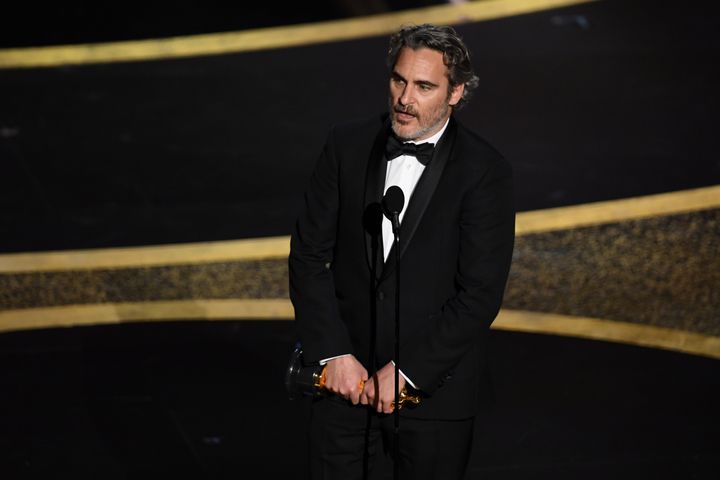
423,152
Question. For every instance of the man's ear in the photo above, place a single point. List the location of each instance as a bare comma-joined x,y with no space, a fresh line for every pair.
456,94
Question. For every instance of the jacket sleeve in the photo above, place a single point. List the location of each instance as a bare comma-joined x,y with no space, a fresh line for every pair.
487,232
312,289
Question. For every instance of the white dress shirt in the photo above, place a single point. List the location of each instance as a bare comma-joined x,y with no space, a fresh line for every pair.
404,171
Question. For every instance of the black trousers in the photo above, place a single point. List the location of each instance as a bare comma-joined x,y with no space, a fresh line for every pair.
345,442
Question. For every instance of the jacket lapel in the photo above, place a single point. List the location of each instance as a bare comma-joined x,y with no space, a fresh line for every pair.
374,185
422,194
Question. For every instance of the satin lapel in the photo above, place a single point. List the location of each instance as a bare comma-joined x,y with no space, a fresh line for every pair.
422,194
374,185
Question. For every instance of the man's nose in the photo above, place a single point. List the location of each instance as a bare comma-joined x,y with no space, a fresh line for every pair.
406,97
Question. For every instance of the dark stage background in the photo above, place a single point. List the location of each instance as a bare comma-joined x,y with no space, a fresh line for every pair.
592,102
597,101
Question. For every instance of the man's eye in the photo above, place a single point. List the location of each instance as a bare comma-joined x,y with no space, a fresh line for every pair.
424,87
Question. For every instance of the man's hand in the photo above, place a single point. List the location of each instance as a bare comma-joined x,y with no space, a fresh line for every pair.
345,376
379,391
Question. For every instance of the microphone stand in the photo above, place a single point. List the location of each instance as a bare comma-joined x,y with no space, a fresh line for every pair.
393,203
396,410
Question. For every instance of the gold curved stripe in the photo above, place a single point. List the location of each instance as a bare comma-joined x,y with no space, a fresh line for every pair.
609,330
268,38
281,309
279,247
147,256
110,313
597,213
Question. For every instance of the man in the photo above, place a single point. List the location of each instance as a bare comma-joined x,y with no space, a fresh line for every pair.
456,239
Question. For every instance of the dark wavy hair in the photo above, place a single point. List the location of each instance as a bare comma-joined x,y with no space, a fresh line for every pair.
445,40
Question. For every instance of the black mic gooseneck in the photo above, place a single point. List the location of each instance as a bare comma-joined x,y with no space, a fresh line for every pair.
393,203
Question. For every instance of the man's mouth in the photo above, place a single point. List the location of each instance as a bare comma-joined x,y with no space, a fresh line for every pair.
404,115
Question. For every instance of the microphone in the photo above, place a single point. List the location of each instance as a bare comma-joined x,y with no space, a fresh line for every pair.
393,203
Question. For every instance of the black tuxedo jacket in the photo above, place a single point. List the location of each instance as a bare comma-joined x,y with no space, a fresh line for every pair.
456,242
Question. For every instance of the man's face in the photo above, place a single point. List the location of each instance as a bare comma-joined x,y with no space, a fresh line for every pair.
419,100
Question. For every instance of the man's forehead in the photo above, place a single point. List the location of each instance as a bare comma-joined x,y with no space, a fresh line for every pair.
427,59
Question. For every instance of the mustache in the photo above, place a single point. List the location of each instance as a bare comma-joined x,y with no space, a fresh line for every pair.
408,110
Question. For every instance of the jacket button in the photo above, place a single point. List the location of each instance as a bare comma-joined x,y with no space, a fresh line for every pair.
380,295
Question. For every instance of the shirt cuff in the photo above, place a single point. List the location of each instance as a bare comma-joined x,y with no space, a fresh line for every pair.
406,378
325,360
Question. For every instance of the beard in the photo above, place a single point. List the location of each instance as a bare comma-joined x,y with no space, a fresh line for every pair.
427,123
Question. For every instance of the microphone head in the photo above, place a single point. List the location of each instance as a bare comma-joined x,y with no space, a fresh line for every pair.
393,201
